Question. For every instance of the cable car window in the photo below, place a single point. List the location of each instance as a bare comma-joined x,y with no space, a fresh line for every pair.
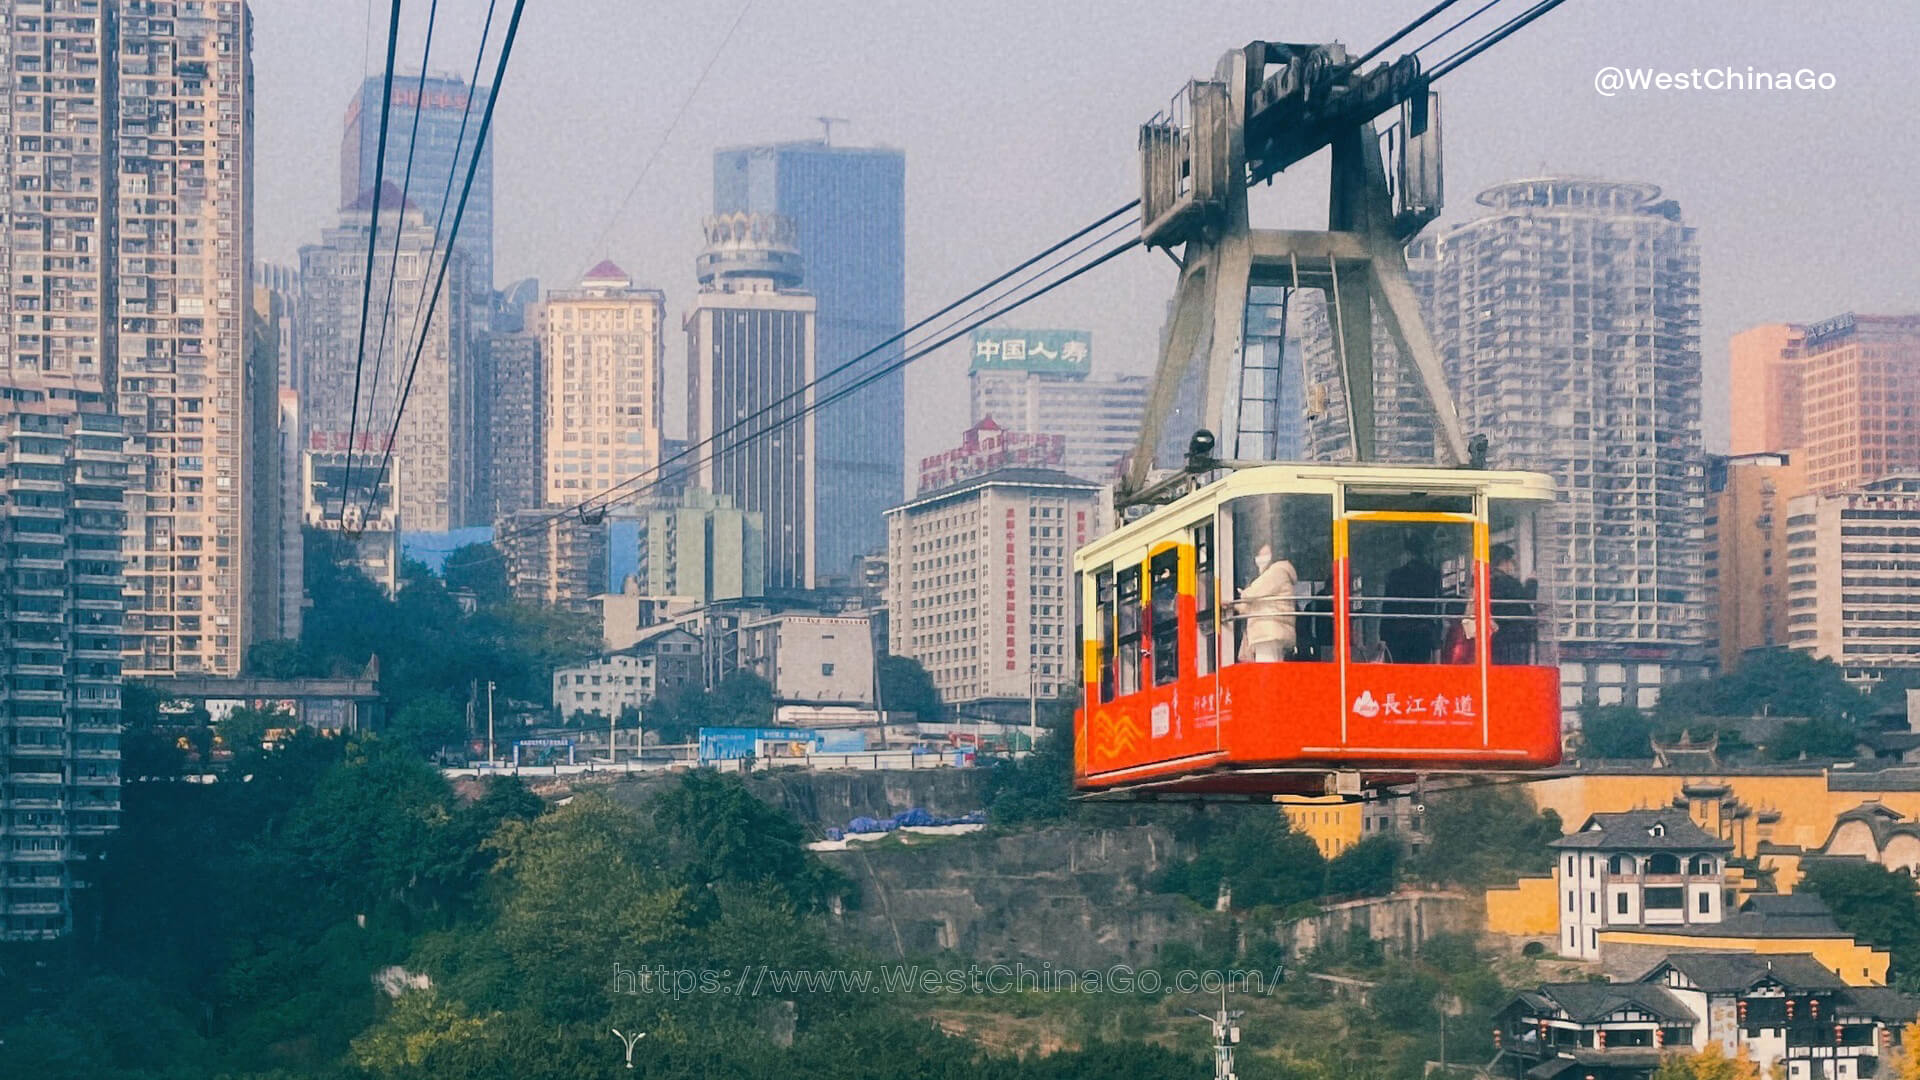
1203,599
1410,501
1519,612
1165,610
1412,600
1127,631
1282,573
1103,630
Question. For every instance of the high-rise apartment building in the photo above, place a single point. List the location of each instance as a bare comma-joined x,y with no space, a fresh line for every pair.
511,401
57,125
1842,393
63,478
603,347
127,132
1762,376
705,549
1568,320
558,561
281,305
849,205
1746,551
440,107
1853,576
290,591
435,445
200,414
981,582
1405,431
750,358
1040,381
513,434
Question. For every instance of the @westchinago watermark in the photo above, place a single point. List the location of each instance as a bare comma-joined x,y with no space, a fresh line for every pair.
760,980
1611,81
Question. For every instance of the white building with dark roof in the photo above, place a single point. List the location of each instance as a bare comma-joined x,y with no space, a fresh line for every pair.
1786,1013
1637,869
980,583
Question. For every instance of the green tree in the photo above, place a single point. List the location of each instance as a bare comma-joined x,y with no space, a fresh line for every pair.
427,723
1037,788
1814,739
1619,732
1484,835
722,835
1874,904
905,686
424,1035
1780,682
277,659
1365,869
1256,855
245,728
479,569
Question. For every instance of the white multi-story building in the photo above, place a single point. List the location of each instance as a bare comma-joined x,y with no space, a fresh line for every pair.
1568,318
811,659
1784,1012
1853,576
980,583
1040,381
602,347
1637,868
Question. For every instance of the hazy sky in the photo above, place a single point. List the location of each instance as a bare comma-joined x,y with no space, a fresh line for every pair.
1018,119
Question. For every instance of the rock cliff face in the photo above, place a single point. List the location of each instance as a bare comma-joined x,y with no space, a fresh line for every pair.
1077,897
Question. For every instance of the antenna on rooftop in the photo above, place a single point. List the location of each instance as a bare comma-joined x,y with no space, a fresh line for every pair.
826,127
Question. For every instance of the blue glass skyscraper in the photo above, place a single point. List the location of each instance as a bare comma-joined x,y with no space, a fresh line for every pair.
443,151
850,206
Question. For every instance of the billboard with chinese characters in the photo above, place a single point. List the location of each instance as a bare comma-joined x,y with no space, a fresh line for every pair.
1040,352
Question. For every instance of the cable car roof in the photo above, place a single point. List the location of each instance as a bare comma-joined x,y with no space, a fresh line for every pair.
1311,478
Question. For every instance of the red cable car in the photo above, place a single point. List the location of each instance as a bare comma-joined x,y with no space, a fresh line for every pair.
1319,629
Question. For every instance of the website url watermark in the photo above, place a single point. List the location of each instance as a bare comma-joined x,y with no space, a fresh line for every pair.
1612,81
759,980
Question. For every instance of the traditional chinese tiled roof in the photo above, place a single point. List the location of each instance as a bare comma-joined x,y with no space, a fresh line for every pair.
1733,972
1643,830
1590,1002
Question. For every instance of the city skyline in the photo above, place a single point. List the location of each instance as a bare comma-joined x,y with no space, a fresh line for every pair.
1011,142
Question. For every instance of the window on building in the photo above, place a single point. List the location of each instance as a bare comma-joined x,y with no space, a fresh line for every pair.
1593,903
1701,865
1663,863
1620,864
1621,904
1666,899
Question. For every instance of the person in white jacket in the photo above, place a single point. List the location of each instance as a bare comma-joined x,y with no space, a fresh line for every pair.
1267,604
